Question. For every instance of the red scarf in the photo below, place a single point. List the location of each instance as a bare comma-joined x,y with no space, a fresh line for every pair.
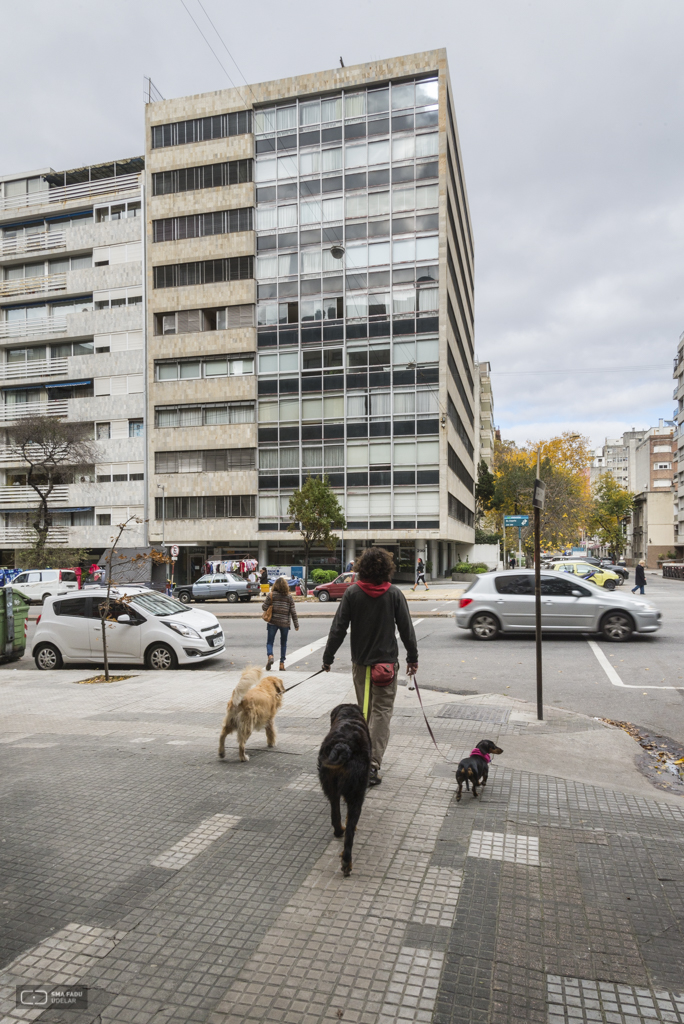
373,589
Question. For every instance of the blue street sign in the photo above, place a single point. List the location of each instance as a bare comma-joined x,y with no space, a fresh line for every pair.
516,521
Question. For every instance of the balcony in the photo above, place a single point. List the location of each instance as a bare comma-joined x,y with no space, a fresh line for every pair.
45,284
35,327
66,193
42,241
12,413
11,536
35,369
18,497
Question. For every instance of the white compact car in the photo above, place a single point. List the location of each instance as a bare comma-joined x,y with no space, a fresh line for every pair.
39,584
142,626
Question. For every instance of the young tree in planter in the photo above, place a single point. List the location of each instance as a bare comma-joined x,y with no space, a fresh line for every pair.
314,512
53,450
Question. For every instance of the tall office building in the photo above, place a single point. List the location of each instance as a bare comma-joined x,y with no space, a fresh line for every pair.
71,344
310,286
678,396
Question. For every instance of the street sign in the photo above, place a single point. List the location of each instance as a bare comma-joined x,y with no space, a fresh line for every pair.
516,520
539,494
175,551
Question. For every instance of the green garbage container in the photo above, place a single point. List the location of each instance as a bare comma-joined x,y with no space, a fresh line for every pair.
12,626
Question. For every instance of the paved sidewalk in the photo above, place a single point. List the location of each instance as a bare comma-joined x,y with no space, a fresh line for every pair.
180,888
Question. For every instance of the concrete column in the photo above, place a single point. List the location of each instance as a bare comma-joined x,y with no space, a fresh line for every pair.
434,557
263,553
445,558
349,552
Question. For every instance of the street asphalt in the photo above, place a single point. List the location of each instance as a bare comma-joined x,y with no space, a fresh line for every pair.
651,667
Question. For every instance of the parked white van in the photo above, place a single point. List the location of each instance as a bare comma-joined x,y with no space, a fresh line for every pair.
143,626
38,584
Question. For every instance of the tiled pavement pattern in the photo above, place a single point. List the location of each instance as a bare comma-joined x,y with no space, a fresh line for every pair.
260,925
190,846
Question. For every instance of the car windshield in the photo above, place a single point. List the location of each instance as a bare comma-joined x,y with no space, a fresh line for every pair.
159,604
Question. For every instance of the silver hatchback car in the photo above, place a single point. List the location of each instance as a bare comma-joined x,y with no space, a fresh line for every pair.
503,602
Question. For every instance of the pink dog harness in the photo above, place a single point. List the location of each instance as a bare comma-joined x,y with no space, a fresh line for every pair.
478,753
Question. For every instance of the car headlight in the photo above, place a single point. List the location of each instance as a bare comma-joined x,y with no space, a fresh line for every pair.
180,627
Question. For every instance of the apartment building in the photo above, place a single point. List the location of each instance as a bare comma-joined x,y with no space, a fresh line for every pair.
617,456
678,396
653,520
310,310
485,431
71,344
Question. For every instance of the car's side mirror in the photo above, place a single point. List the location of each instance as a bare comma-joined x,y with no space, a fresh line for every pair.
123,618
576,593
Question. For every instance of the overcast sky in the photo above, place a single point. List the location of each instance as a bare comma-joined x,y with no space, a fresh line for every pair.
570,116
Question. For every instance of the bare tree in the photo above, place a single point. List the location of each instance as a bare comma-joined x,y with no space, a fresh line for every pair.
53,450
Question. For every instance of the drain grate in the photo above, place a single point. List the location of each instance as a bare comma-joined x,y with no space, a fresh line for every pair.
494,716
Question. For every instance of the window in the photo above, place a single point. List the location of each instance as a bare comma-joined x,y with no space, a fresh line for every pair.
220,126
76,607
514,584
231,506
209,413
189,179
118,212
213,460
198,225
190,321
457,510
234,268
104,519
208,366
103,431
135,428
557,587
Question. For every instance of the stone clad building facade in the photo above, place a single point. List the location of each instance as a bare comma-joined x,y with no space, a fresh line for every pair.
309,277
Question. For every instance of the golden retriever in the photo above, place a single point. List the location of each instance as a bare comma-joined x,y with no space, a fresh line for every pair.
253,705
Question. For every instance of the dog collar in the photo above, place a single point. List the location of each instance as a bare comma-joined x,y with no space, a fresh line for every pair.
478,753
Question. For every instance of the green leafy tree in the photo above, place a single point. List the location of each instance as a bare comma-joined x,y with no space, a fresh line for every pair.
484,489
314,512
612,507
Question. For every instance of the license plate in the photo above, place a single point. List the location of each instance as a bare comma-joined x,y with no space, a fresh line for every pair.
217,638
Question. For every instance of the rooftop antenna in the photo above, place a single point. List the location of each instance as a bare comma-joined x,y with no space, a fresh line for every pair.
341,63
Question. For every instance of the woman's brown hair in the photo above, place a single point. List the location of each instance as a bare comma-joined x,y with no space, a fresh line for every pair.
280,586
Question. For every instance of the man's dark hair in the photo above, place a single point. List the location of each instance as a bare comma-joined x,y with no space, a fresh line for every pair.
375,565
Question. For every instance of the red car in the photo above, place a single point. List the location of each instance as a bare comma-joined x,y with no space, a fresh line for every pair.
333,591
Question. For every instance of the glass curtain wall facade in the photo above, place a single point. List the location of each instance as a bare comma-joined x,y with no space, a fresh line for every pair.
347,200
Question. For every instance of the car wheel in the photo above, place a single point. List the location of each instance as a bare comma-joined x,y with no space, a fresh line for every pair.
609,585
160,658
617,627
44,598
323,596
620,582
484,626
48,658
232,597
184,597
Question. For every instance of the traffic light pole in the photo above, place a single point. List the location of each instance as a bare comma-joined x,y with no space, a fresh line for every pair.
538,505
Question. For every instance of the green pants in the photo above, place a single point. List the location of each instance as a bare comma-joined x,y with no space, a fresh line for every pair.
381,705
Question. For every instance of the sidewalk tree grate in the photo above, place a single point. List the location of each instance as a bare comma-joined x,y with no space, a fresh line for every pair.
492,716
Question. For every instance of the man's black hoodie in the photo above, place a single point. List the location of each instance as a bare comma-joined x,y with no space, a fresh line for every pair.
373,635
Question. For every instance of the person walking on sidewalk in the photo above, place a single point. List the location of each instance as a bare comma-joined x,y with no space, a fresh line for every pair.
420,574
375,610
639,577
281,601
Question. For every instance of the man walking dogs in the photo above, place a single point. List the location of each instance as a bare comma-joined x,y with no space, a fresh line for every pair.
374,609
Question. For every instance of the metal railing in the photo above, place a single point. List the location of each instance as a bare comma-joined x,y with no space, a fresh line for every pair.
21,496
33,327
11,454
35,368
41,285
10,535
42,241
81,190
11,413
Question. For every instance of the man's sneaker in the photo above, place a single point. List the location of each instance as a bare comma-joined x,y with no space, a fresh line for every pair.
375,778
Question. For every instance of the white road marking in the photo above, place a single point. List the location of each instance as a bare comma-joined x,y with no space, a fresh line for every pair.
304,652
504,846
614,677
178,743
143,739
187,848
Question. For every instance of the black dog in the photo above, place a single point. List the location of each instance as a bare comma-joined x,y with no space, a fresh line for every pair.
344,762
475,768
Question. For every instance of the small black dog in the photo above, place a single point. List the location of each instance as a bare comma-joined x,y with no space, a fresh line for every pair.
475,768
344,762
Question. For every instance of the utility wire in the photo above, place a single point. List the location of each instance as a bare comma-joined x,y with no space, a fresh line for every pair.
212,49
595,369
220,38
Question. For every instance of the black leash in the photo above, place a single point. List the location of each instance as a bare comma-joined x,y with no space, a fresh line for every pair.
295,685
429,727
